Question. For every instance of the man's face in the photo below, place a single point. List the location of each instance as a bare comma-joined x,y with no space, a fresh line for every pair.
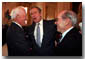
22,18
35,14
60,24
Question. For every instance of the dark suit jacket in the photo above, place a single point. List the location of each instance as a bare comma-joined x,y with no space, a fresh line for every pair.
4,30
47,47
71,44
17,44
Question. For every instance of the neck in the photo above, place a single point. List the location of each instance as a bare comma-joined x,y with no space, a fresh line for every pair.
17,24
38,21
66,28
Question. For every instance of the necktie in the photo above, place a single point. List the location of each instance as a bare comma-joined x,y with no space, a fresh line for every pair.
38,35
60,39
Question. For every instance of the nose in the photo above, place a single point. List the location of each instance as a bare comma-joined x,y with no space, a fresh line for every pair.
56,22
33,15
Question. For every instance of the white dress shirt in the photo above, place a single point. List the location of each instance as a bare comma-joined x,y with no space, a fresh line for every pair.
41,30
64,34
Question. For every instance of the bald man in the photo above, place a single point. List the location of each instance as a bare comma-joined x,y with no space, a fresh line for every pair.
17,44
70,43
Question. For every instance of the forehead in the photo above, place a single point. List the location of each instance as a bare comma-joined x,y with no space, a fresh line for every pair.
60,14
34,9
22,14
21,11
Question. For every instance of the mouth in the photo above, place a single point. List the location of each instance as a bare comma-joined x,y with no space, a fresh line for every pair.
34,18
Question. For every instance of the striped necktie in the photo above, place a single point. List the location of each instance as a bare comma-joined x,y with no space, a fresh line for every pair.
38,35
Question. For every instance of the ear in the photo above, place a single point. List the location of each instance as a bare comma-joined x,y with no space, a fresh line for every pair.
41,15
17,16
55,22
66,22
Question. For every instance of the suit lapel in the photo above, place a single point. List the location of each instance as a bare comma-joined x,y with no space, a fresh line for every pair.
32,31
33,27
68,35
44,32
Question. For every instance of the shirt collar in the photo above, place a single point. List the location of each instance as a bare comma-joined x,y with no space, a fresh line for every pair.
17,24
63,34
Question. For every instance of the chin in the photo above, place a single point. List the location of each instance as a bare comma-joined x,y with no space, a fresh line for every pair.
58,30
36,21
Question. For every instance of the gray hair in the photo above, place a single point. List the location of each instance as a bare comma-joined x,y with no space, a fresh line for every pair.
71,15
15,12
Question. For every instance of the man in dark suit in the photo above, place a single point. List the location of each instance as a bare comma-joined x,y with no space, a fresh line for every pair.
70,43
16,42
42,33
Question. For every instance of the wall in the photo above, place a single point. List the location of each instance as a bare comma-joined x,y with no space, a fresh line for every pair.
50,10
